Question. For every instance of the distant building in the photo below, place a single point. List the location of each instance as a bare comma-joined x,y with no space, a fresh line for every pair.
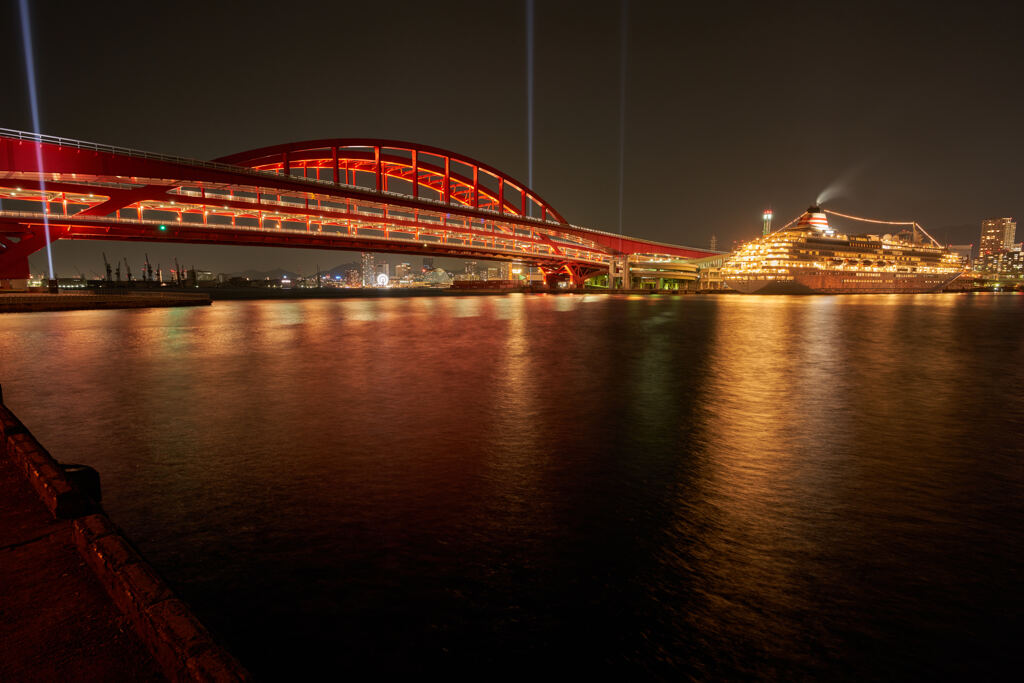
353,277
470,268
998,254
714,243
1006,262
369,275
997,234
401,270
384,268
428,263
437,278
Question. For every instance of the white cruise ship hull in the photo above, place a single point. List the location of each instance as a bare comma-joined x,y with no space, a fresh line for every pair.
846,282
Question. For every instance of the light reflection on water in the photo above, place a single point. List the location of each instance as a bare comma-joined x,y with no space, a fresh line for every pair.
708,486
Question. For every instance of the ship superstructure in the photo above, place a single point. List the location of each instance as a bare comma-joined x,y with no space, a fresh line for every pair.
811,258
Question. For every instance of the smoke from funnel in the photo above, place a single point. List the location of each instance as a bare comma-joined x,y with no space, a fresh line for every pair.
843,185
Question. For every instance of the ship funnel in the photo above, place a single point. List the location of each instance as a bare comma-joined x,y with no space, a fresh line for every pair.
815,218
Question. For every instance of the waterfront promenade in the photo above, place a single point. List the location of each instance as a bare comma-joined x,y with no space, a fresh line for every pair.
56,620
77,601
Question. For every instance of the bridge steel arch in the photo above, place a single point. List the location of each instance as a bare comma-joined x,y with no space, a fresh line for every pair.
352,194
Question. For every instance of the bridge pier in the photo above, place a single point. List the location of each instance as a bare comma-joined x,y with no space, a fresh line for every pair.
618,273
14,270
16,244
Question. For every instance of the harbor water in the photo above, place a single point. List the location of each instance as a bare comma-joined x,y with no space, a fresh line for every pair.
657,487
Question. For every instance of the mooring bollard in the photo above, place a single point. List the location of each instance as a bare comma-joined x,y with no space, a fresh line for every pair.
85,479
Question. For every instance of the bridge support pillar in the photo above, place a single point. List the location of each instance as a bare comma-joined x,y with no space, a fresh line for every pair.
14,271
13,266
16,243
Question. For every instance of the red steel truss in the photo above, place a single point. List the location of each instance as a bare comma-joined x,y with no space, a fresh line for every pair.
355,194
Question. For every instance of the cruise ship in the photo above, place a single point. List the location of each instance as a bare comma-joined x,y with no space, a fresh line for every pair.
811,258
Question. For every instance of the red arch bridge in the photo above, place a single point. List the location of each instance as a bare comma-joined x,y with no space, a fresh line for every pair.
351,194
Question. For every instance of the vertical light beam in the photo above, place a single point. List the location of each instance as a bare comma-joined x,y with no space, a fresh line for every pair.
529,93
30,72
623,26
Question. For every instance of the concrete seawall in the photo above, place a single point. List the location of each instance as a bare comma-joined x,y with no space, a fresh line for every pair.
18,302
261,293
77,599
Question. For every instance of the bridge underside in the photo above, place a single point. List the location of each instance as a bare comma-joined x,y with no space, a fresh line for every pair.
448,206
22,238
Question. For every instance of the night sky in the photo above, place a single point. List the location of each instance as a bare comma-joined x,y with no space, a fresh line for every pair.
730,108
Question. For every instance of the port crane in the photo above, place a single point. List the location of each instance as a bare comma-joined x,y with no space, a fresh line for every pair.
106,265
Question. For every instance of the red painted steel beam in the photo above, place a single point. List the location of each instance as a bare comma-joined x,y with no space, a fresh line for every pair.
447,181
399,167
14,255
415,176
203,234
264,155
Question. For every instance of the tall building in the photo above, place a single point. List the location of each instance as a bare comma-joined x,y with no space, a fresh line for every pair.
997,234
470,268
369,276
384,268
401,270
714,243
